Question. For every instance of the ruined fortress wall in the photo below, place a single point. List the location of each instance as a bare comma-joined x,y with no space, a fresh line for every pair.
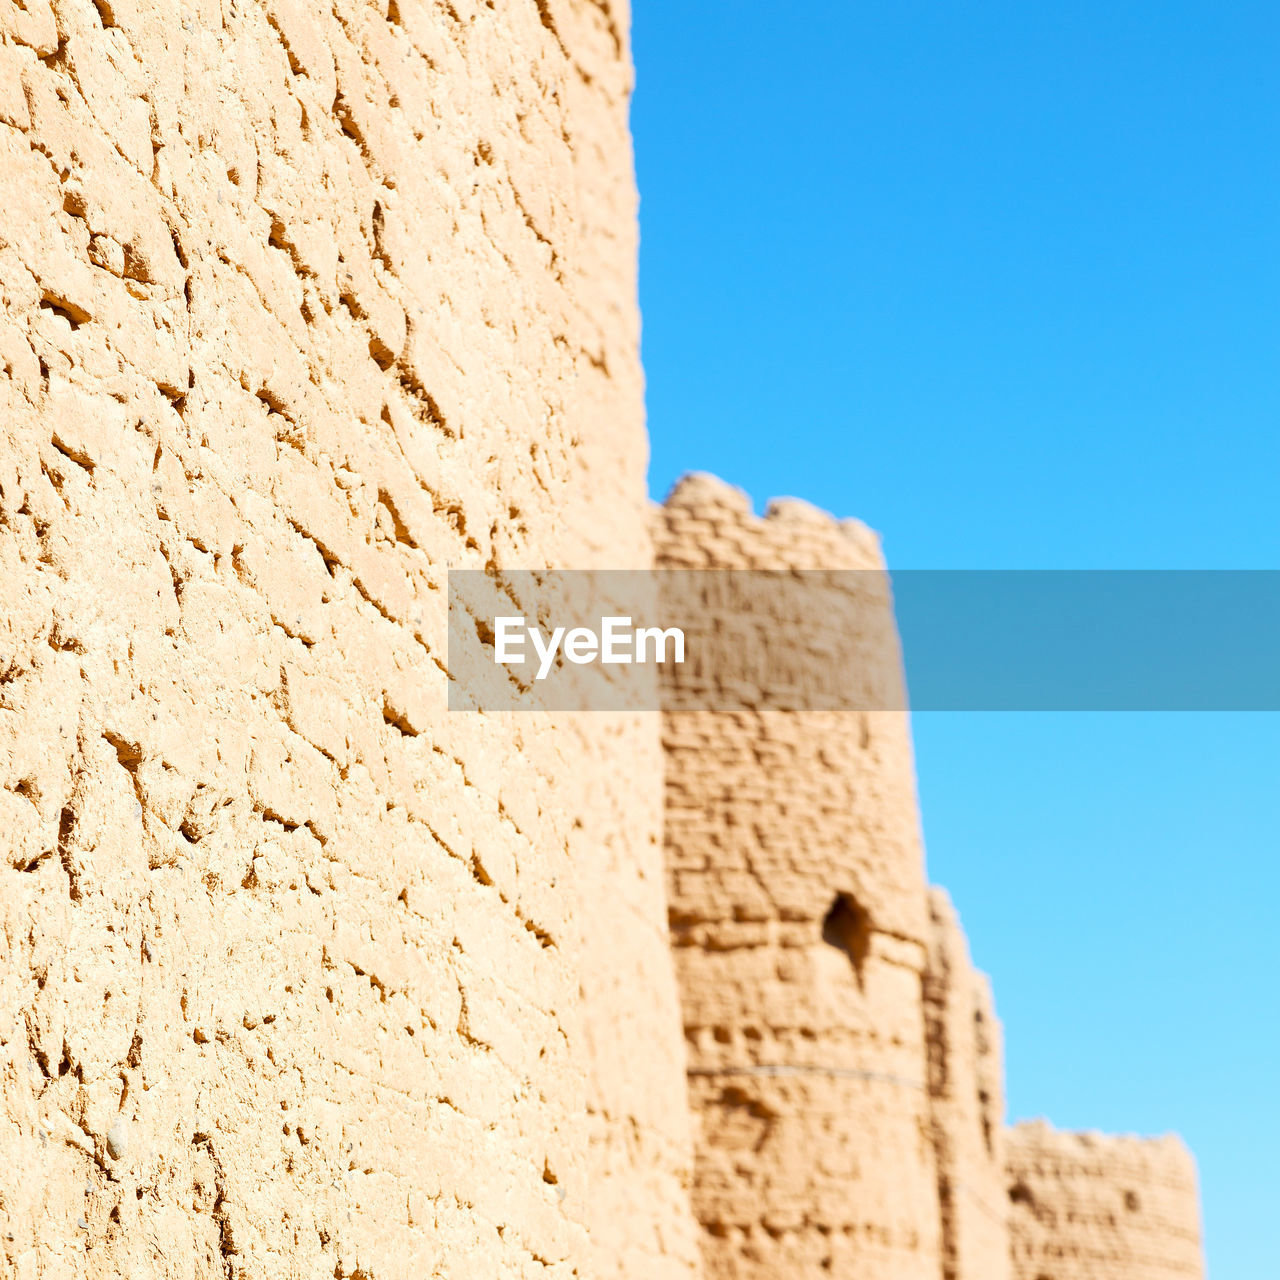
1093,1207
966,1091
303,302
845,1059
800,927
301,974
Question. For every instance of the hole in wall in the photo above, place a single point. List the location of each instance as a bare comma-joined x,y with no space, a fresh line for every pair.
847,927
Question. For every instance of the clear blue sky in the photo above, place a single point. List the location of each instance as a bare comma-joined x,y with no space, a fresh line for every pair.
1004,281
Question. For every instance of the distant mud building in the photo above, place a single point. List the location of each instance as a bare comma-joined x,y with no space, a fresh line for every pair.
302,974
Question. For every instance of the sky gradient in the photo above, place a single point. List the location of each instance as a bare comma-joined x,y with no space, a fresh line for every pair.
1002,280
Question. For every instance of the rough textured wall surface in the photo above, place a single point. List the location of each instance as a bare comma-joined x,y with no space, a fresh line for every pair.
966,1091
800,926
1085,1206
303,302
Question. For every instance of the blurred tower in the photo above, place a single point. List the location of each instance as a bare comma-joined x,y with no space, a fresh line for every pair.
800,923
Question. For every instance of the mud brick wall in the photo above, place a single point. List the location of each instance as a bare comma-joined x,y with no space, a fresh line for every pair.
1094,1207
845,1059
800,928
302,303
966,1091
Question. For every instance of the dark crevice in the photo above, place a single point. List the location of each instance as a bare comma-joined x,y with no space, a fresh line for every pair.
128,753
397,520
269,815
397,719
226,1239
74,315
66,824
279,239
380,250
275,404
78,456
331,562
422,404
347,123
549,22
